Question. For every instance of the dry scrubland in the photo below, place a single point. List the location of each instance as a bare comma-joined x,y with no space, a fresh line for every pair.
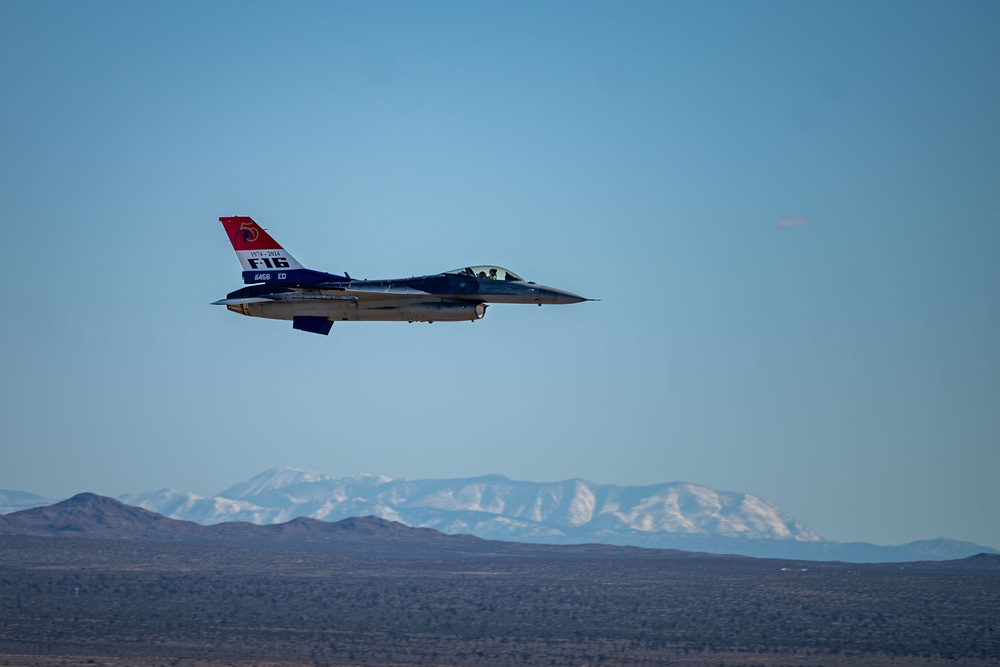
72,602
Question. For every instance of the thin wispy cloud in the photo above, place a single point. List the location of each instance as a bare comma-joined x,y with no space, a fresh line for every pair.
794,221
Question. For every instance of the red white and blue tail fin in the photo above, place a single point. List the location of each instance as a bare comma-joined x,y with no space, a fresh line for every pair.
263,258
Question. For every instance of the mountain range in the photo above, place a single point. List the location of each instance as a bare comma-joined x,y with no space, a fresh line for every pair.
664,516
89,517
92,517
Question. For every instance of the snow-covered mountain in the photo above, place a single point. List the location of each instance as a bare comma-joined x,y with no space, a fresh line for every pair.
493,507
672,515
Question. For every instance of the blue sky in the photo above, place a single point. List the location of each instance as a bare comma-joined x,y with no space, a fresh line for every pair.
788,210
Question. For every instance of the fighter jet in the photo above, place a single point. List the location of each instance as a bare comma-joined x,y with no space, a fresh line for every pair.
282,289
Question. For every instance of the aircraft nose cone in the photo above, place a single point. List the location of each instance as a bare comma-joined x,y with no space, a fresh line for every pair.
553,295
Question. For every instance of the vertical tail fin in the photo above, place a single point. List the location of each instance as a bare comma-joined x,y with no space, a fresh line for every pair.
264,260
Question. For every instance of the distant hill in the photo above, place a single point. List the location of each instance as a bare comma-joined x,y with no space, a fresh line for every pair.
662,516
89,516
93,516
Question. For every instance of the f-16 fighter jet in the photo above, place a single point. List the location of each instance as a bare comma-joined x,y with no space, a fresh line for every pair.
282,289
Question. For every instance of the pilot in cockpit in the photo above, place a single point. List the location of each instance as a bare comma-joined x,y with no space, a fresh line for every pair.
493,273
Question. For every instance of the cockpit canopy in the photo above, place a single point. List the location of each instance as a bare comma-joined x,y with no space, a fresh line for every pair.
487,272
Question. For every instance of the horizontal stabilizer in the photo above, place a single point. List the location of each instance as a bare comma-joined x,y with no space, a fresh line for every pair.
238,302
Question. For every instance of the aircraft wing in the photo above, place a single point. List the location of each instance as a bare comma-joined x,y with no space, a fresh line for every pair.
287,296
388,290
379,292
237,302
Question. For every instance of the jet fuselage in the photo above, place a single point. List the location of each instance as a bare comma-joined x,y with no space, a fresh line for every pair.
283,289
